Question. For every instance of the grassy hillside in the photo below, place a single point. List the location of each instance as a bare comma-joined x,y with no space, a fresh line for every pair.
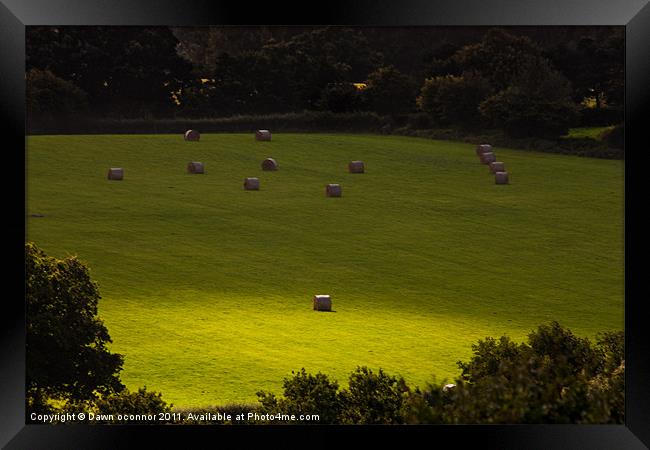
206,288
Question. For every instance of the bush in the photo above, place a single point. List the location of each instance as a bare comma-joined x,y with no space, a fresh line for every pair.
128,403
389,92
373,398
304,394
454,99
556,377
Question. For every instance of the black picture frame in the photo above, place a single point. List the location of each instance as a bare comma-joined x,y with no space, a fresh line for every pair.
15,15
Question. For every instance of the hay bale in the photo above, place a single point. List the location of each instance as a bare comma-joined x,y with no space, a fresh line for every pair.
262,135
501,178
269,164
115,173
322,303
483,148
356,167
333,190
497,166
195,167
252,184
192,135
487,158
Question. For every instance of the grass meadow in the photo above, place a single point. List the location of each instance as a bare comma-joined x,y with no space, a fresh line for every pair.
207,288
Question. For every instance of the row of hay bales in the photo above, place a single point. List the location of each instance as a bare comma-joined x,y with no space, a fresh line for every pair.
498,168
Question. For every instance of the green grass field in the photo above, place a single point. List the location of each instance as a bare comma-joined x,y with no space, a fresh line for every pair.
207,288
589,132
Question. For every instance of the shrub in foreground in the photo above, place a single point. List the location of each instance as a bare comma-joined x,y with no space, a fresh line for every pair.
556,377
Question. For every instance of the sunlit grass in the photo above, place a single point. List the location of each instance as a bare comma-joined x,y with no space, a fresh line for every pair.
207,288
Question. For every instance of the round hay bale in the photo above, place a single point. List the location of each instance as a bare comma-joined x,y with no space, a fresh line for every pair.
501,178
192,135
115,173
269,164
497,166
263,135
356,167
195,167
487,158
252,184
322,303
483,148
333,190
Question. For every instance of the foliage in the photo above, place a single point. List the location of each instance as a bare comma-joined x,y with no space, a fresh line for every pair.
500,57
372,398
67,355
49,94
340,98
537,103
126,70
556,377
389,91
127,404
454,99
305,394
310,70
595,66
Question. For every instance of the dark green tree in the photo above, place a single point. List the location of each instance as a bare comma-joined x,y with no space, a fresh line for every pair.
389,91
454,100
305,393
500,57
537,103
126,70
48,94
595,67
312,60
373,398
67,355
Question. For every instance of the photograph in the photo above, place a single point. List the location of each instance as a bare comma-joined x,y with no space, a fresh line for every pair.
330,224
370,225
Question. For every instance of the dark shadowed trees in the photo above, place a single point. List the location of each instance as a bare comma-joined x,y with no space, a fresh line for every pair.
67,354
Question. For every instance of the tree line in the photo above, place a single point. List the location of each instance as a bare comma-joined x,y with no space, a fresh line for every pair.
520,80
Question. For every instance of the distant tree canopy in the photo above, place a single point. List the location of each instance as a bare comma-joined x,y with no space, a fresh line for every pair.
453,99
127,70
506,82
67,354
594,65
49,94
223,71
283,76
